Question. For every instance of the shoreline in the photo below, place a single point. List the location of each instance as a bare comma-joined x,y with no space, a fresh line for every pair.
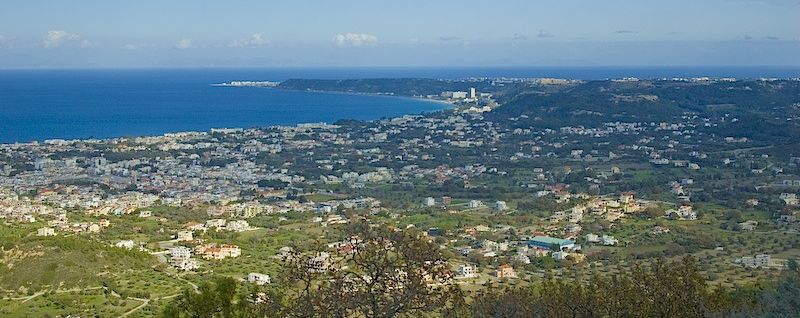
445,107
449,105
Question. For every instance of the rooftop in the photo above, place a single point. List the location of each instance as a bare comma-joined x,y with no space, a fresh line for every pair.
551,240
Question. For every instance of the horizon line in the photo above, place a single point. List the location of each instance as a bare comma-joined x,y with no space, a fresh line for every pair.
234,67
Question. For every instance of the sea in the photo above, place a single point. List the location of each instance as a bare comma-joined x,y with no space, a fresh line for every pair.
37,105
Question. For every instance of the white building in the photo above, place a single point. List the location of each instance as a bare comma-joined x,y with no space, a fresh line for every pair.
180,252
216,223
46,231
559,256
459,95
429,202
258,279
185,264
789,198
320,263
522,258
761,260
238,226
685,212
467,271
185,236
126,244
93,228
474,204
324,209
572,228
609,240
500,206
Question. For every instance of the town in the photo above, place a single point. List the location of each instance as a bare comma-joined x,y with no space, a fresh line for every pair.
510,195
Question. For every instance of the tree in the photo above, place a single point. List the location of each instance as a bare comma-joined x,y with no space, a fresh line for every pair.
398,268
387,274
784,299
674,289
210,300
654,212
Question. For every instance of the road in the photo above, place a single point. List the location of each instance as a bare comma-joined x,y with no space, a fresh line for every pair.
144,303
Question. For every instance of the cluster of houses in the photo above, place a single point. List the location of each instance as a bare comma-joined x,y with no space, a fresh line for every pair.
607,208
181,256
241,210
23,209
470,271
446,201
122,204
791,213
61,223
557,248
362,203
213,224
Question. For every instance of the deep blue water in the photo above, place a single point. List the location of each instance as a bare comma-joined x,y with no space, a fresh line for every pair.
47,104
37,105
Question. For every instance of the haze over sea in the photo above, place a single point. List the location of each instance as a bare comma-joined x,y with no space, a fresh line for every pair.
69,104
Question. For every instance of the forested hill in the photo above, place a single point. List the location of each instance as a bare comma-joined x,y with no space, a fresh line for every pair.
753,109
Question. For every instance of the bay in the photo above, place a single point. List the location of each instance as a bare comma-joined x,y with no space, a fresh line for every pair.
70,104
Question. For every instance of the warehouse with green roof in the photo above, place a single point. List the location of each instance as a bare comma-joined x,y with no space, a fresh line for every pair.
551,243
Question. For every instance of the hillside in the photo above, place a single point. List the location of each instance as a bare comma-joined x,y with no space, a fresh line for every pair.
32,262
754,109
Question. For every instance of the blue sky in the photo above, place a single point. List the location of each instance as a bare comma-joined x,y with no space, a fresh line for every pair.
197,33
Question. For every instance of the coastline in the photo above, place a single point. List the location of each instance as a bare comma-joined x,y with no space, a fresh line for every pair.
443,106
448,105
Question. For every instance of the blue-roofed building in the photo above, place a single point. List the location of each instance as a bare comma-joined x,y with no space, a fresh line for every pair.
551,243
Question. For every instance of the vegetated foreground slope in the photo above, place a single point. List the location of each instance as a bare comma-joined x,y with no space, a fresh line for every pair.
33,262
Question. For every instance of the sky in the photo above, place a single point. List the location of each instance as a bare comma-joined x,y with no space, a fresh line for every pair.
407,33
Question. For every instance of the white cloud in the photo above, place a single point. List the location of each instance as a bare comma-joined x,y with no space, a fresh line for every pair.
56,38
183,44
354,39
256,39
5,41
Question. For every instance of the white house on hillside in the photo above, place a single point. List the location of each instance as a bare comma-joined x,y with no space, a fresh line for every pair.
467,271
258,279
46,231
